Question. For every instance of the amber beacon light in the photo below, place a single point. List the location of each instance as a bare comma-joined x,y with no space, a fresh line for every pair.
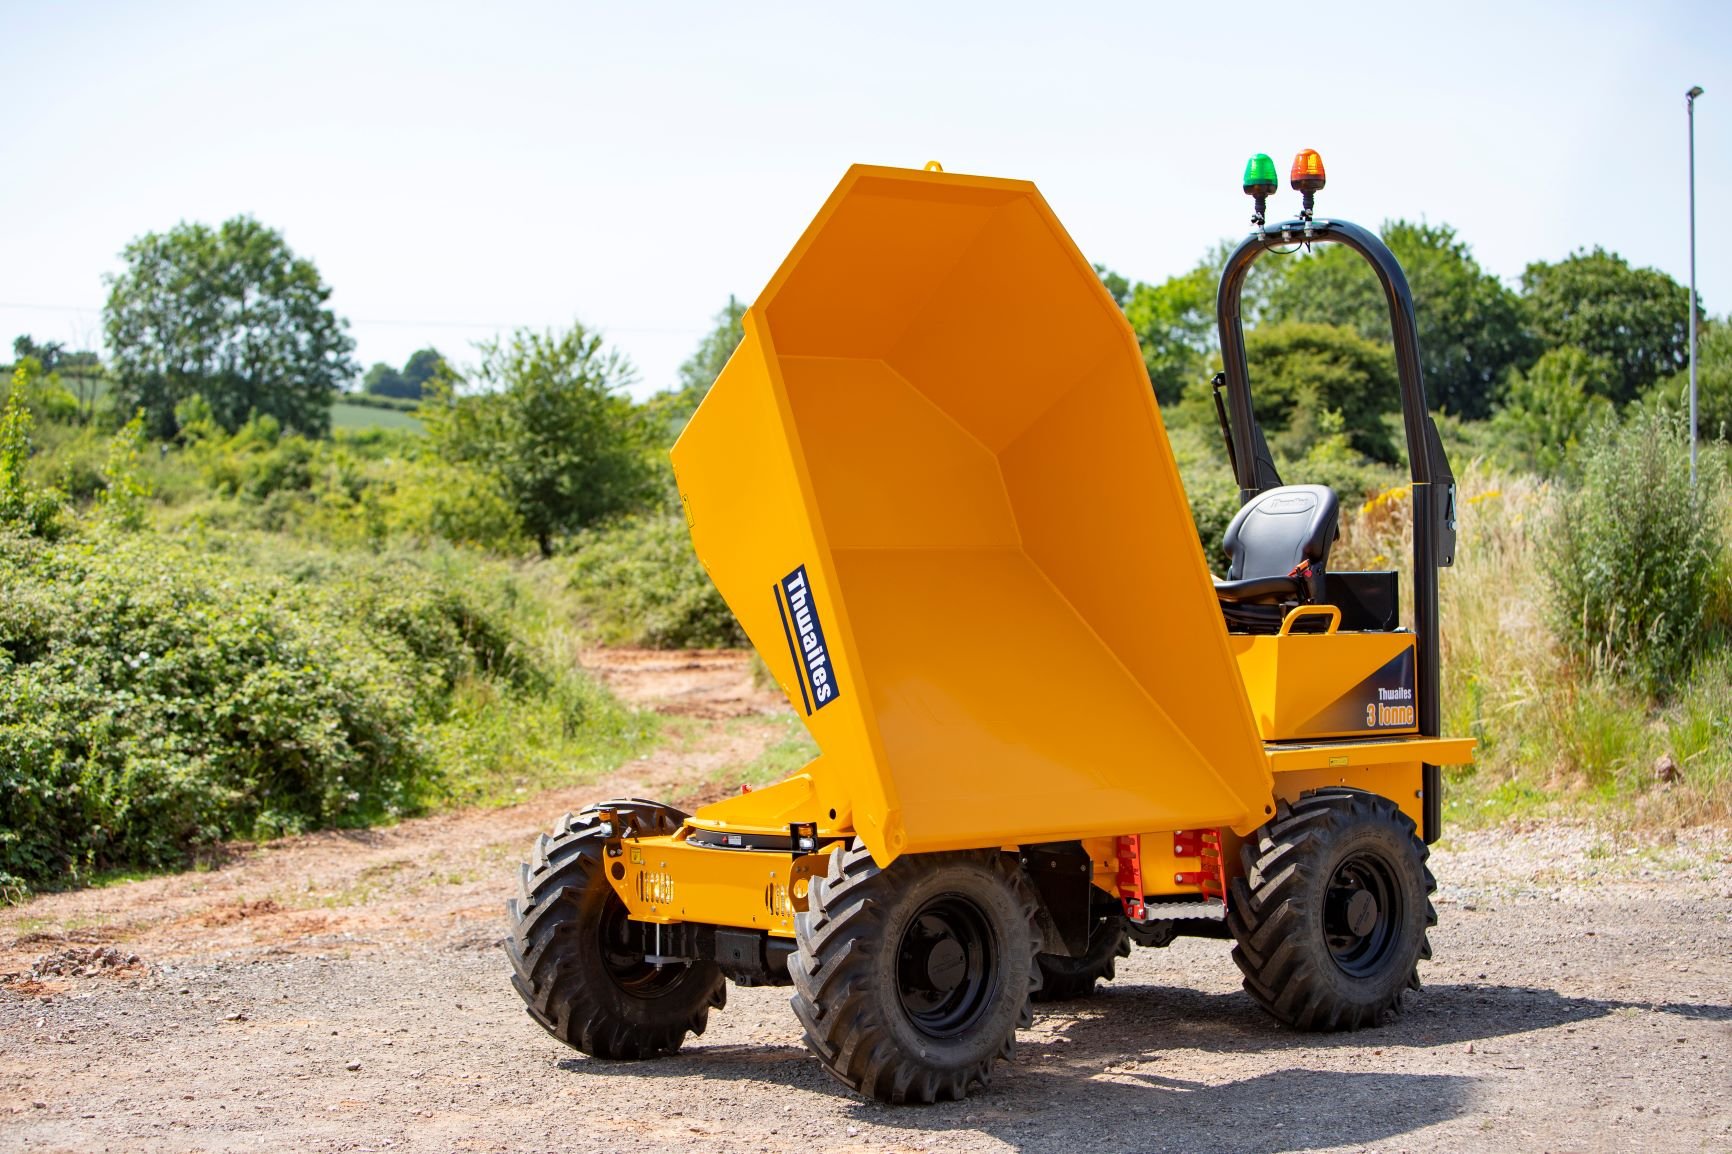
1307,178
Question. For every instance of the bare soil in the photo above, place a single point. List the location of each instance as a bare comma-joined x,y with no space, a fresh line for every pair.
345,992
711,684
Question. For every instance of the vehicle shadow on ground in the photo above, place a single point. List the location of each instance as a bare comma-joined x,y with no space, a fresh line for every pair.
1114,1064
1080,1096
1437,1015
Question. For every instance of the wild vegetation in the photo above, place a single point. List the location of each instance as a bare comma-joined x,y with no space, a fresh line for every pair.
224,614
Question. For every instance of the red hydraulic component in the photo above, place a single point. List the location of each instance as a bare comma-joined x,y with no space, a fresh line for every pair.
1130,853
1205,846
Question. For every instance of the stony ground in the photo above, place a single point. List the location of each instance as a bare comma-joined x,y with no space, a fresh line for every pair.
345,992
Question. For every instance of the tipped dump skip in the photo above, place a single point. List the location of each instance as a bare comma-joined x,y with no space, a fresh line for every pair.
942,424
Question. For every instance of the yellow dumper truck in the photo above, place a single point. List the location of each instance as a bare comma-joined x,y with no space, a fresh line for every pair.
934,486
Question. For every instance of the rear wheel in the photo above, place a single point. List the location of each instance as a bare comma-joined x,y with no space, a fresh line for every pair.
1330,918
574,960
911,981
1063,978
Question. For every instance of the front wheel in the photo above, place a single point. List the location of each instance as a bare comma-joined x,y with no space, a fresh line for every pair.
911,981
1330,919
572,955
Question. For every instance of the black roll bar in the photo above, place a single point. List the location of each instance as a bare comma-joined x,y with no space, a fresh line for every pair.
1433,493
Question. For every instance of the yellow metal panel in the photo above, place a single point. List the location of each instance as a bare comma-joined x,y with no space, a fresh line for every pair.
1400,782
940,413
745,493
1317,685
663,879
894,472
1340,754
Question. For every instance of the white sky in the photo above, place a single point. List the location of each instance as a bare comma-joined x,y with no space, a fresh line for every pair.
454,170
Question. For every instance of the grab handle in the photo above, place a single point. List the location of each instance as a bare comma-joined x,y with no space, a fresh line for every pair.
1298,611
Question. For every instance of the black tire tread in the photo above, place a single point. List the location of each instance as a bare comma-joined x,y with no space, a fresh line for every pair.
547,914
1265,912
832,976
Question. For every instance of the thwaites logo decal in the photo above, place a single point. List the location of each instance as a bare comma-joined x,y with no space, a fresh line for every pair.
1383,701
812,668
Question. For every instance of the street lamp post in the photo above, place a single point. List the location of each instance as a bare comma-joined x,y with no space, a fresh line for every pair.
1690,114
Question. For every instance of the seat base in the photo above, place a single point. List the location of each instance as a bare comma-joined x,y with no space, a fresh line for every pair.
1260,590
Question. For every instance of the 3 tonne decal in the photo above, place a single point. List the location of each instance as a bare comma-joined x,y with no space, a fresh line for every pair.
812,668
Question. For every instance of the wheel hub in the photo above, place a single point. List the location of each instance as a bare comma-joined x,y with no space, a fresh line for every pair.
946,966
1362,914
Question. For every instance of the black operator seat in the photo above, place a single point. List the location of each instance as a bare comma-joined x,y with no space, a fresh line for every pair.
1279,545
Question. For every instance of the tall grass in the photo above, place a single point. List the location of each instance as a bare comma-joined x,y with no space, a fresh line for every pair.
1556,735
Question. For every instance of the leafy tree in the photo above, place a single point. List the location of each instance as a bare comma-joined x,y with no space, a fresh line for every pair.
231,313
1175,320
1548,410
47,354
1638,318
384,381
1713,383
420,368
1310,382
1175,325
1471,328
553,425
1117,286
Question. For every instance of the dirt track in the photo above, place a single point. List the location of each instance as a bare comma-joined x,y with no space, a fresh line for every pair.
345,992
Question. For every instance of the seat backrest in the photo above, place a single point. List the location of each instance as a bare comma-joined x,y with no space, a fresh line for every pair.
1278,528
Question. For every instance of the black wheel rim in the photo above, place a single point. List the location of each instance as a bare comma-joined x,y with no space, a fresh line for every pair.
1362,914
947,966
624,961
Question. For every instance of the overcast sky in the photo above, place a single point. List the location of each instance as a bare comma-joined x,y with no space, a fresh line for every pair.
455,170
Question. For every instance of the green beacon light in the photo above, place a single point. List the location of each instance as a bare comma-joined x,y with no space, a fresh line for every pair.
1260,182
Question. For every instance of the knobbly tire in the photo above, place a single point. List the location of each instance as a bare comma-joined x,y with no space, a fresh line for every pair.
1330,919
1065,978
569,956
912,981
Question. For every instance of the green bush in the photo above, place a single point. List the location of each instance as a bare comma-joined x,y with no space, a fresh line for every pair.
641,584
158,695
1209,483
1312,381
152,700
126,491
1713,383
257,462
24,506
40,392
1548,410
1632,555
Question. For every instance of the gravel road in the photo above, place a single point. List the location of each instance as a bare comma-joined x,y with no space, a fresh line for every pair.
347,993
